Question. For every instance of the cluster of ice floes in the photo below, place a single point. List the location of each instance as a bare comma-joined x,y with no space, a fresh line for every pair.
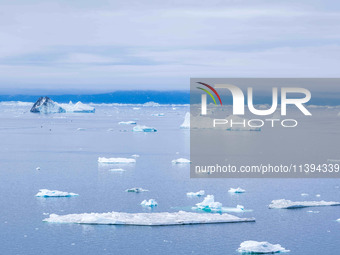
254,247
186,123
149,203
181,161
136,190
237,190
140,128
287,204
47,105
146,219
196,194
131,122
103,160
54,193
209,205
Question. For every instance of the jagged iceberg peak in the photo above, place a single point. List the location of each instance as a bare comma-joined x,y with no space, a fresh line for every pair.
79,107
287,204
186,123
46,105
254,247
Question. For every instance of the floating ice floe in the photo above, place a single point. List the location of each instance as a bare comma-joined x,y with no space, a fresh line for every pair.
146,219
209,205
136,190
38,168
186,123
158,114
313,211
304,194
131,122
237,190
254,247
117,170
196,194
181,161
140,128
150,203
287,204
116,160
318,195
78,107
54,193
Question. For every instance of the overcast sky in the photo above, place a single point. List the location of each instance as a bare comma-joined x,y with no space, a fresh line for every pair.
99,46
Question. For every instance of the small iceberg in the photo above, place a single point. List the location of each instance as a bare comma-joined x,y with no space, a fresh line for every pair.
186,123
158,114
116,160
81,129
146,129
237,190
117,170
181,161
149,203
287,204
304,194
136,190
196,194
146,219
209,205
135,156
254,247
78,108
127,122
54,193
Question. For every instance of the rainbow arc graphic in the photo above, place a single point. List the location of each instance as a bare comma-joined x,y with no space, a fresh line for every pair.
209,93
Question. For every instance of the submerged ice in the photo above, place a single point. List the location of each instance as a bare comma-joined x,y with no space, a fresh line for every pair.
146,219
287,204
254,247
54,193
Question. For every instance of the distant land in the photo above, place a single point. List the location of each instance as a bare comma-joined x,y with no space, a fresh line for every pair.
161,97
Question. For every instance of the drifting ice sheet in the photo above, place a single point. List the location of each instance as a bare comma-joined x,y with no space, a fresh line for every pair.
254,247
116,160
146,219
54,193
181,161
238,190
287,204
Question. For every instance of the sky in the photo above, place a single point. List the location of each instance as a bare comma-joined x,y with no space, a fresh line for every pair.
100,46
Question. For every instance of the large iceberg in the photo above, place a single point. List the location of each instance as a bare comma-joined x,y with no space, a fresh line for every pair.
254,247
181,161
196,194
146,219
186,123
287,204
149,203
78,107
116,160
54,193
140,128
46,105
237,190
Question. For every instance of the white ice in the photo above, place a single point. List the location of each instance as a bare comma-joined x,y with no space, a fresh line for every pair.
150,203
287,204
136,190
186,123
140,128
135,156
131,122
54,193
146,219
116,160
209,205
237,190
254,247
181,161
304,194
78,107
117,170
196,194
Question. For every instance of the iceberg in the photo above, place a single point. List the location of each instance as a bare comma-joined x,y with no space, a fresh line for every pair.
146,219
136,190
150,203
116,160
287,204
140,128
181,161
158,114
131,122
46,105
54,193
196,194
186,123
304,194
117,170
254,247
135,156
151,104
209,205
78,108
81,129
237,190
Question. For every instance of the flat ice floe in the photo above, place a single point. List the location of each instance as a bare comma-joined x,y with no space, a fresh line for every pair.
54,193
196,194
131,122
146,129
146,219
103,160
149,203
186,123
254,247
136,190
237,190
287,204
181,161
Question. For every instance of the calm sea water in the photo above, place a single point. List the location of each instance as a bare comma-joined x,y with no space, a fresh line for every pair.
68,161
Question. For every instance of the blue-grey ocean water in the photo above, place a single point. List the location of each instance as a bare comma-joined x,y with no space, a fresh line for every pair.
68,157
